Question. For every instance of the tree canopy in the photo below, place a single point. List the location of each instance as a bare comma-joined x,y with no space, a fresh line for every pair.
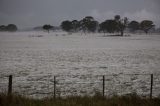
133,26
9,27
146,25
88,24
47,27
75,25
108,26
66,25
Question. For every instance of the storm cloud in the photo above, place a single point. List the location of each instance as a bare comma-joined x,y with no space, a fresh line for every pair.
30,13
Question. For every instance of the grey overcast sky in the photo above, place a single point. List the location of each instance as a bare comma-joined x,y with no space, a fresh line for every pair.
30,13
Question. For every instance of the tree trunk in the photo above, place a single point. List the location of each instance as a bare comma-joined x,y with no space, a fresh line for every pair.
84,32
121,32
104,33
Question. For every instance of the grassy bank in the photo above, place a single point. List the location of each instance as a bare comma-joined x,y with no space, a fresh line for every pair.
127,100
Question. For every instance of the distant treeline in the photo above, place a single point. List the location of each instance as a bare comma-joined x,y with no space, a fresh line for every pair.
9,27
117,24
89,24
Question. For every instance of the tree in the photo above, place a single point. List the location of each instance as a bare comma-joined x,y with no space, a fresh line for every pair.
11,27
92,26
75,25
117,18
108,26
88,24
133,26
47,27
146,25
102,27
83,26
2,28
121,23
111,26
66,25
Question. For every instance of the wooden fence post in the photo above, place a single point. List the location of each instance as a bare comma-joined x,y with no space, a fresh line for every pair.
54,87
151,86
103,85
10,85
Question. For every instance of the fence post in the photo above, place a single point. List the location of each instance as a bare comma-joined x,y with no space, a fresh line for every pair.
54,87
103,85
10,85
151,86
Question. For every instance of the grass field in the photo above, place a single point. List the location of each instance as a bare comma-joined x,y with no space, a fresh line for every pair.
34,58
97,100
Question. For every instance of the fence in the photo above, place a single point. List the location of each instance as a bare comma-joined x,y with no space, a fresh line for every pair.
65,85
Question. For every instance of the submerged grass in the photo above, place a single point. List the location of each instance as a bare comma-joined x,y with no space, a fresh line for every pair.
97,100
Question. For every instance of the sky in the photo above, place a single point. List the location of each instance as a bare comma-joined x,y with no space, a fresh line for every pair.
32,13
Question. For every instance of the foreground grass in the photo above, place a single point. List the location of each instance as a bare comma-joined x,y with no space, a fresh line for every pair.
127,100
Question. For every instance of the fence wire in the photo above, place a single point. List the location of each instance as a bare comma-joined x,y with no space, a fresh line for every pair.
80,85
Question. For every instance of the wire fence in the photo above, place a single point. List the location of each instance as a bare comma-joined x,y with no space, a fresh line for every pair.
40,86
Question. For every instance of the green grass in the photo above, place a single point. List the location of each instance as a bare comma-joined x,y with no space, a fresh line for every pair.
97,100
